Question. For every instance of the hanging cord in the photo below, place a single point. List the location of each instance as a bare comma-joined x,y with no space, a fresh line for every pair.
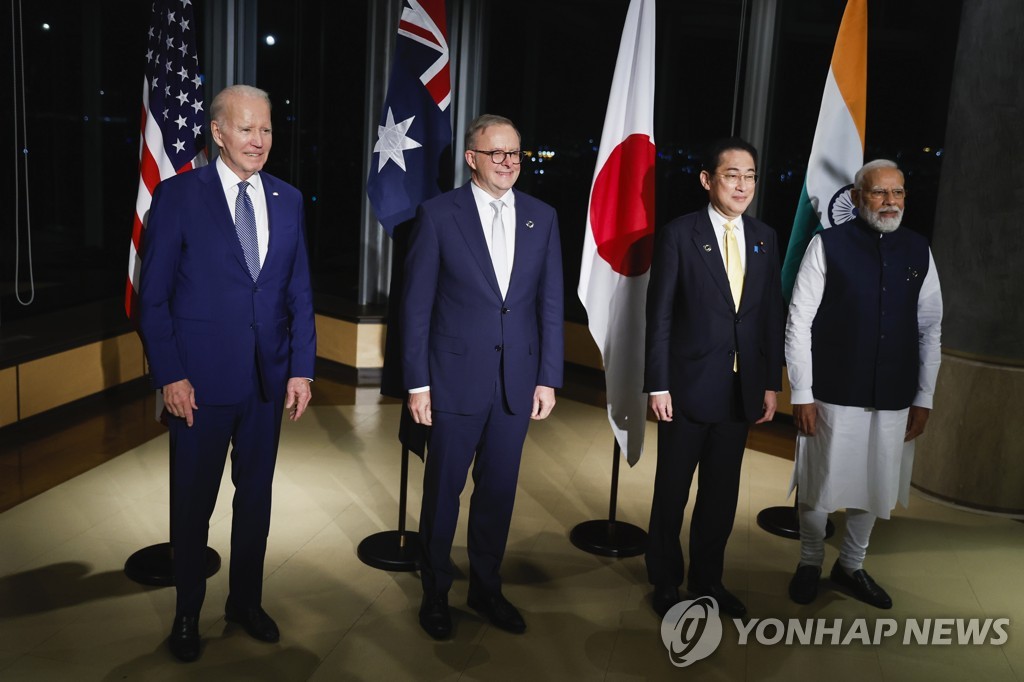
18,70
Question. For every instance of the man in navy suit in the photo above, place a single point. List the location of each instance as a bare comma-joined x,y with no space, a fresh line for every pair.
481,355
713,365
226,316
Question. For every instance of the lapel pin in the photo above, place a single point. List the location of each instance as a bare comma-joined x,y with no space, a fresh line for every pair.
529,224
759,248
707,247
275,193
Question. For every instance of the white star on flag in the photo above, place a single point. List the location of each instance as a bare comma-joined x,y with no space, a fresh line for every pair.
392,141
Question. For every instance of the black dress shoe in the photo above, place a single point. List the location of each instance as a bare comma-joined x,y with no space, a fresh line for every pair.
803,588
435,618
498,610
255,621
664,598
862,586
727,601
184,639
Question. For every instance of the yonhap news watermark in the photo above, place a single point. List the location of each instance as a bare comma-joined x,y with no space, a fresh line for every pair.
692,630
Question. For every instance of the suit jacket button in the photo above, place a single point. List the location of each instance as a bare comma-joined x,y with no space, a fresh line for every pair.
498,347
505,311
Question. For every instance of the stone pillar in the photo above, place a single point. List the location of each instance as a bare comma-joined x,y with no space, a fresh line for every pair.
972,452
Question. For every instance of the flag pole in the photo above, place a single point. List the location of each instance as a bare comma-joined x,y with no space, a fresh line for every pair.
608,537
170,143
154,565
393,550
837,151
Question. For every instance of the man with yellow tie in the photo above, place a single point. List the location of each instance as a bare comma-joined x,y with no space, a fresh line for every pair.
713,366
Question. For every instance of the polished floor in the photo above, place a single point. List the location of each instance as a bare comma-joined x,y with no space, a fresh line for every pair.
67,611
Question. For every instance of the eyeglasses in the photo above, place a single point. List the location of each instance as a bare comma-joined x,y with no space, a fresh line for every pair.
733,179
498,155
879,194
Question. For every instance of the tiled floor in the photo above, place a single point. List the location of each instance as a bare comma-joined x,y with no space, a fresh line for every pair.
67,612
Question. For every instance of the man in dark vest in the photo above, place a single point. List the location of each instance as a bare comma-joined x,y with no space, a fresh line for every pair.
862,349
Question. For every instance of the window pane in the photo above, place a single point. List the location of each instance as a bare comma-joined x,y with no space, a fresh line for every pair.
554,82
911,46
83,71
315,73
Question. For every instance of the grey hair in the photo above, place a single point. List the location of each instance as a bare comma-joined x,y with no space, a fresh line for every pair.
486,121
219,103
871,166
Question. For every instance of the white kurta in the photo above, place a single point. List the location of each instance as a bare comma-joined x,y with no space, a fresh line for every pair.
857,458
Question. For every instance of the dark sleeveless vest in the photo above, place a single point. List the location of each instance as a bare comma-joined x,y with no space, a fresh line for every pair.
865,337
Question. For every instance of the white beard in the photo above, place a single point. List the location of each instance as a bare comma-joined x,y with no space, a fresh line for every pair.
883,222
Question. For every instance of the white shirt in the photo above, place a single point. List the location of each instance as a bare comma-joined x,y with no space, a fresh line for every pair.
718,222
807,293
229,181
508,219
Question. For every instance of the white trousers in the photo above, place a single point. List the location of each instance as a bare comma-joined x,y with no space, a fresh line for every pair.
855,542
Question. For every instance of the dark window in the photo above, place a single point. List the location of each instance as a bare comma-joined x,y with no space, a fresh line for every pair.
911,46
315,73
553,79
83,72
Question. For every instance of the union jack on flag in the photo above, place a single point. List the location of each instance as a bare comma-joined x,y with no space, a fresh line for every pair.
172,117
412,156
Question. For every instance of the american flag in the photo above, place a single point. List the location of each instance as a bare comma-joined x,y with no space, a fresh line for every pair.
172,117
412,156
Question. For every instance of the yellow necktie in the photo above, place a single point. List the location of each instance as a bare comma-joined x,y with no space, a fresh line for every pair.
734,270
733,264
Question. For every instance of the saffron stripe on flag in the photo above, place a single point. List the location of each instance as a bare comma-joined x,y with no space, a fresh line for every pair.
837,151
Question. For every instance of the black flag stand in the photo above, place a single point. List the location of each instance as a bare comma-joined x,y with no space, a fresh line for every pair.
610,537
393,550
154,565
785,521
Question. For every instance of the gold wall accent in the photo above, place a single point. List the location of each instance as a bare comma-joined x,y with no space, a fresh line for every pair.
580,348
8,395
355,345
64,377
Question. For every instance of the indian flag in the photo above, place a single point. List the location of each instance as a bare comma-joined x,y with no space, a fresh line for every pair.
837,152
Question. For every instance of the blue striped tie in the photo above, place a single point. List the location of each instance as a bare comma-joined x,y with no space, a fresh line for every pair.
245,226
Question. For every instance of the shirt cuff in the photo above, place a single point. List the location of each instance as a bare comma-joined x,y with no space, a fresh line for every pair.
801,396
420,389
923,400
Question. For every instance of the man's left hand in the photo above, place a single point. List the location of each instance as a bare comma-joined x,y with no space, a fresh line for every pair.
297,397
543,402
916,420
770,403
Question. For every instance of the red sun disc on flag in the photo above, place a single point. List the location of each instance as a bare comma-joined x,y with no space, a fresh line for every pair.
622,206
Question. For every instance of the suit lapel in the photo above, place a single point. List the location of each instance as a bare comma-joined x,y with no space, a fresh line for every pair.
524,230
756,262
273,200
467,219
709,249
217,203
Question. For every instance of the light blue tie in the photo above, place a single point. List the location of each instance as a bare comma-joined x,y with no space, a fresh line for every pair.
245,226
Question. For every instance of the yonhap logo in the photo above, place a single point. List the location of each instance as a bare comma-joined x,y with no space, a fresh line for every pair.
691,630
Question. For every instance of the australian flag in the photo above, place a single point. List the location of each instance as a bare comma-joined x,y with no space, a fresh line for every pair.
412,156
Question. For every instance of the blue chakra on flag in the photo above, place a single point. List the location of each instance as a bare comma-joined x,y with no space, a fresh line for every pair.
840,208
